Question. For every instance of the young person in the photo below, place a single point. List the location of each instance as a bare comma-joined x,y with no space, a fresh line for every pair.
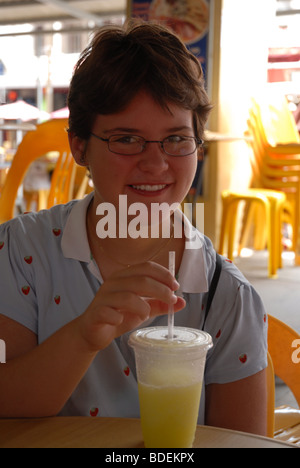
70,299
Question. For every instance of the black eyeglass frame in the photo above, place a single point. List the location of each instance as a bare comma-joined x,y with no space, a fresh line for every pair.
198,143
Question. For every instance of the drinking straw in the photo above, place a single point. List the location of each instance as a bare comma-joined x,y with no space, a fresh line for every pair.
171,307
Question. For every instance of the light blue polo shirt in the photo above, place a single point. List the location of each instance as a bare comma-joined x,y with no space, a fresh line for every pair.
48,278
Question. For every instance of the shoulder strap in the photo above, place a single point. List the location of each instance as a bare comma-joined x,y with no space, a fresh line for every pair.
213,285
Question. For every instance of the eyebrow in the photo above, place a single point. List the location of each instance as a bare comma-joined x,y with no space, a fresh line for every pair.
137,131
120,130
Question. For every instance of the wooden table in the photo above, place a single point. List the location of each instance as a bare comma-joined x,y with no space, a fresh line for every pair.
80,432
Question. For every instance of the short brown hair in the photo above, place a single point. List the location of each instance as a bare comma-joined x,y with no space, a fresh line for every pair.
120,61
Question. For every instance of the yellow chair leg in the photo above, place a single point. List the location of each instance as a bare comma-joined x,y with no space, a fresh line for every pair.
266,210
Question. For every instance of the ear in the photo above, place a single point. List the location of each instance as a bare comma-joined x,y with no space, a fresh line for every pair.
78,149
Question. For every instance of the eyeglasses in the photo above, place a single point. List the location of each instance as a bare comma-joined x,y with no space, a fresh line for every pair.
130,145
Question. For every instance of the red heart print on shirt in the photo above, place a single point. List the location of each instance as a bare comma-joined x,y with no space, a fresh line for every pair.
26,290
94,412
57,300
243,358
56,232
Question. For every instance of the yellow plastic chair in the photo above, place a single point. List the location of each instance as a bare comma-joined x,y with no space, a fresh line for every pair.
271,203
49,136
85,186
272,158
283,422
68,182
275,178
268,168
278,121
271,398
62,182
274,167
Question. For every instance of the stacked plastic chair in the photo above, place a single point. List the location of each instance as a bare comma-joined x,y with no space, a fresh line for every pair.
276,158
275,195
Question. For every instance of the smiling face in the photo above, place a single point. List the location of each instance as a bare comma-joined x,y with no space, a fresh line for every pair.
151,176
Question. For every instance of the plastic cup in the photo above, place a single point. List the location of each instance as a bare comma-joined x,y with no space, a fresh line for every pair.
170,375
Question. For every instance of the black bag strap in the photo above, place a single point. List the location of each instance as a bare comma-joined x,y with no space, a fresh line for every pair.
213,286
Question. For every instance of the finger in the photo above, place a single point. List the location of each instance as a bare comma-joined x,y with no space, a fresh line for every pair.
123,302
152,270
143,286
129,323
161,308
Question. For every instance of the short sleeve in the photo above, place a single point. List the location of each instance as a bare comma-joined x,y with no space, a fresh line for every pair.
238,325
18,299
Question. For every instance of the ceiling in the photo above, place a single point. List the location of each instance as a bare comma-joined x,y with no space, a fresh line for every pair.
23,11
37,11
288,7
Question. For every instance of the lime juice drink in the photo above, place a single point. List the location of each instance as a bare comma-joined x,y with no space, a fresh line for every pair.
171,411
170,374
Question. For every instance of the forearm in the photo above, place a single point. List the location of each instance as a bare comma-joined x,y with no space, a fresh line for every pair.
38,383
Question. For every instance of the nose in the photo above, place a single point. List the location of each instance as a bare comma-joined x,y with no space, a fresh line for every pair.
153,158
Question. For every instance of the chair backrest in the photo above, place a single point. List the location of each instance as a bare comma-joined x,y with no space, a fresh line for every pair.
277,120
257,152
48,137
281,339
62,182
84,187
271,398
266,174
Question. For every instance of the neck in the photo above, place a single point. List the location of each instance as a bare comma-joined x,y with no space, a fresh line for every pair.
125,250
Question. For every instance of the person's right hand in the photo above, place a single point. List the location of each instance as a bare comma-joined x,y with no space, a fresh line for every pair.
126,300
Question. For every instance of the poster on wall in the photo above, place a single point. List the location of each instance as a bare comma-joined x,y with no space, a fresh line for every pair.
188,18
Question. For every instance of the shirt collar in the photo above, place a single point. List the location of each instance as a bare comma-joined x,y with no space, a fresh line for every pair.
192,275
74,241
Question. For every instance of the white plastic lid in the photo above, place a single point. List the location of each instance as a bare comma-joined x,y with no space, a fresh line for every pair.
183,338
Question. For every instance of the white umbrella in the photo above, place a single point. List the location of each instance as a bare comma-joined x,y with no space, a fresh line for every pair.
20,110
60,113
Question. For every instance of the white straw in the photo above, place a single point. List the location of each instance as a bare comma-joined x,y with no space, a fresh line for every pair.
171,307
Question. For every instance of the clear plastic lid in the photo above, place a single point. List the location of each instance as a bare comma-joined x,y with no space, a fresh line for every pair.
183,338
